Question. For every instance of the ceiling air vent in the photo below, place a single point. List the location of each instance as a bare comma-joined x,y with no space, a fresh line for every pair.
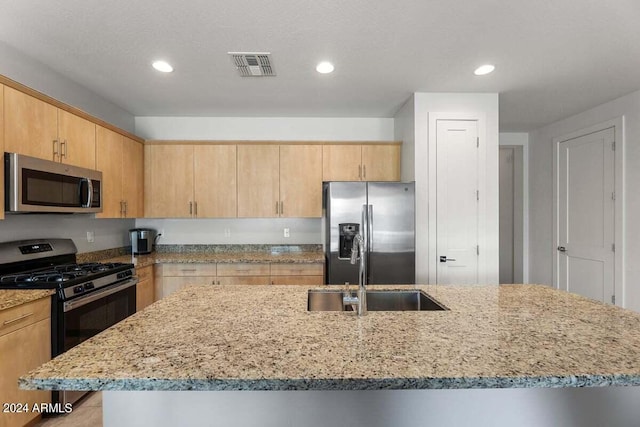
253,64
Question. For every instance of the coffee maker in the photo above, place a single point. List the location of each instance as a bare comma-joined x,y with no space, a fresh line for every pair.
142,240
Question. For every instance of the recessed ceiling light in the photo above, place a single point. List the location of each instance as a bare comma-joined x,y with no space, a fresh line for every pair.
484,69
325,67
163,66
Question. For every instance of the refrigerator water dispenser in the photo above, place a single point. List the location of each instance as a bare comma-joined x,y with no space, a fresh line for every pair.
347,232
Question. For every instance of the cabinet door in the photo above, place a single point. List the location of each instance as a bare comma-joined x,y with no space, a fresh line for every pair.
2,150
243,280
381,162
215,187
341,163
23,350
31,126
132,178
168,186
145,290
109,160
258,181
301,181
78,140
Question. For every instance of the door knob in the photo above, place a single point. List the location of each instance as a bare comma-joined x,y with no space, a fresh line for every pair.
443,258
562,249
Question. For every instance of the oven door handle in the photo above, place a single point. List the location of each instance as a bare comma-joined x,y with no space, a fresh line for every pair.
70,305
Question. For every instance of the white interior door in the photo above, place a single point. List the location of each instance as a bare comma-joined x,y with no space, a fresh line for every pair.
586,207
457,201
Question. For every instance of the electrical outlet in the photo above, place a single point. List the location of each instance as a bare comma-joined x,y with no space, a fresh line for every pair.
286,232
227,232
91,237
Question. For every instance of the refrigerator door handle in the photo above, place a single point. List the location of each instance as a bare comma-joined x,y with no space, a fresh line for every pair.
369,228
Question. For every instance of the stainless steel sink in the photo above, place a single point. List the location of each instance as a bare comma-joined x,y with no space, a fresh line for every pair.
399,300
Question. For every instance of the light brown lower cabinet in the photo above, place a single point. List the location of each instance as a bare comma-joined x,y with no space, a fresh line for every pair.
172,277
25,344
145,289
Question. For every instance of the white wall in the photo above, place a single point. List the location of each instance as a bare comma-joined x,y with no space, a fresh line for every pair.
522,139
541,190
236,231
109,233
266,128
405,131
17,66
479,103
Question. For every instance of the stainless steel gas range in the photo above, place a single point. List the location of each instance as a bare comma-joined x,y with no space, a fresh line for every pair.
89,298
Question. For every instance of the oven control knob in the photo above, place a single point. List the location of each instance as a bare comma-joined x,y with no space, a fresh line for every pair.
89,285
78,289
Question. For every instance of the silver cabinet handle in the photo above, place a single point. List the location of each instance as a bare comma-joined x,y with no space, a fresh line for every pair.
17,319
63,149
360,171
195,209
562,249
364,171
122,208
126,208
276,207
443,258
191,208
55,149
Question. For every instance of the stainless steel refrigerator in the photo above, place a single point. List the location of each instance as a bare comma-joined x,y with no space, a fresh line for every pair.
384,214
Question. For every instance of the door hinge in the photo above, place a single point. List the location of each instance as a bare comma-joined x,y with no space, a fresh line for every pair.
477,141
477,194
613,247
477,249
613,195
613,299
613,145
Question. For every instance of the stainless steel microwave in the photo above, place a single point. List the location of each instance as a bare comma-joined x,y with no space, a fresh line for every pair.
37,185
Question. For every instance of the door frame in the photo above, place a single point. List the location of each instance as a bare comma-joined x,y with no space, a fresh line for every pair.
433,118
619,226
520,230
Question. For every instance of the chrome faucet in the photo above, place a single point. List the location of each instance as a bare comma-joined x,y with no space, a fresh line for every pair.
357,252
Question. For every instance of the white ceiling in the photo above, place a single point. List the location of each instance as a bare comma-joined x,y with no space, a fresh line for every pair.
553,58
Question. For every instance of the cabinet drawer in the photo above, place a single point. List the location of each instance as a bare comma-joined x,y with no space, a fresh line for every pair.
18,317
188,270
297,269
298,280
243,280
244,269
144,273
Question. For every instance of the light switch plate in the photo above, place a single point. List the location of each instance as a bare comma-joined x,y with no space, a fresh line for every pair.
286,232
91,237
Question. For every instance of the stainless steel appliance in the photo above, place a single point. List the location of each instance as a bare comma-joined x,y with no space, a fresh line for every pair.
142,240
37,185
384,214
89,297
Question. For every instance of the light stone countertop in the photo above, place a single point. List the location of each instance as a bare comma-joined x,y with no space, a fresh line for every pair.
262,338
10,298
231,257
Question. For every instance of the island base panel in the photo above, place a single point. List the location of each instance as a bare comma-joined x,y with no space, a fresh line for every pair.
539,407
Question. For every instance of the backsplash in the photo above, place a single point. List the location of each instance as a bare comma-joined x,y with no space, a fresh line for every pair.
237,248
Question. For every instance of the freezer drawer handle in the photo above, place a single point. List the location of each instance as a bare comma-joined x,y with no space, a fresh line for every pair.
443,258
562,249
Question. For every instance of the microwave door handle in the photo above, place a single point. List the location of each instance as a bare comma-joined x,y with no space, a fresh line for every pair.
89,192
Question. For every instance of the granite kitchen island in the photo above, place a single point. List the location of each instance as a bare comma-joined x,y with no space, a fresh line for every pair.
506,355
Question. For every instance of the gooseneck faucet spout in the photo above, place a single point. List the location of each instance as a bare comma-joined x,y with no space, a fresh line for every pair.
358,253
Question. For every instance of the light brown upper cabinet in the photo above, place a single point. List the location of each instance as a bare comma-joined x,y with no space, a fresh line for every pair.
120,160
36,128
132,178
361,162
2,147
258,181
279,181
190,181
300,181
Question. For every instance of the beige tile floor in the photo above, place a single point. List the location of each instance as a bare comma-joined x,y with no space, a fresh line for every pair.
86,413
